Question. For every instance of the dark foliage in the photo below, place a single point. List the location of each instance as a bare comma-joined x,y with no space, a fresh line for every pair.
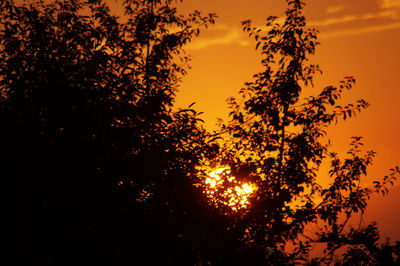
86,103
277,137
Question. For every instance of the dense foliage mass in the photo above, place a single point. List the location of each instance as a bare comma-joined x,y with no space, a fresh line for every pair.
86,101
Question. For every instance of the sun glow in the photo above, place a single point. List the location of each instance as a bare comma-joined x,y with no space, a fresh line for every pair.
223,189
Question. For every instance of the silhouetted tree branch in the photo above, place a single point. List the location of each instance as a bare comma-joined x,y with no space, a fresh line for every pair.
86,101
278,138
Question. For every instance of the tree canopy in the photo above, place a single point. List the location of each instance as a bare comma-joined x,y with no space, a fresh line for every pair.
87,101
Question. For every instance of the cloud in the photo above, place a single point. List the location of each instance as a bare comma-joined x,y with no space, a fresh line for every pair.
386,13
232,36
363,30
350,18
390,3
333,9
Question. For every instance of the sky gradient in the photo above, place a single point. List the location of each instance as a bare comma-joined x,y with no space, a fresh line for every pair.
359,38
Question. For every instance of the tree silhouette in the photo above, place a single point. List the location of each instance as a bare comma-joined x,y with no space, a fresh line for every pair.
276,139
87,102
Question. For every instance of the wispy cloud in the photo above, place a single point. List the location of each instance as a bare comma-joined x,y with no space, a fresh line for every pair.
232,35
363,30
334,9
390,3
350,18
387,15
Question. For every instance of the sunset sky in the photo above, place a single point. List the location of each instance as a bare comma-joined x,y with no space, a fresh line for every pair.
93,93
359,38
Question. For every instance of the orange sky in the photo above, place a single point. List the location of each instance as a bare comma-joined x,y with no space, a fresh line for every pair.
359,38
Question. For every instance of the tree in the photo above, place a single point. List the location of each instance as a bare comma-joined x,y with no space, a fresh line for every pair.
86,101
276,139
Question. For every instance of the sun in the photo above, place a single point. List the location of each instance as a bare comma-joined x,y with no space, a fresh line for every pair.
224,190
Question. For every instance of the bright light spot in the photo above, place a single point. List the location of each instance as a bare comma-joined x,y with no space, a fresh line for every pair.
222,189
213,182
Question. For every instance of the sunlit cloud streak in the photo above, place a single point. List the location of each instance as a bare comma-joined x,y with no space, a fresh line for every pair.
333,9
388,14
232,35
358,31
390,4
350,18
